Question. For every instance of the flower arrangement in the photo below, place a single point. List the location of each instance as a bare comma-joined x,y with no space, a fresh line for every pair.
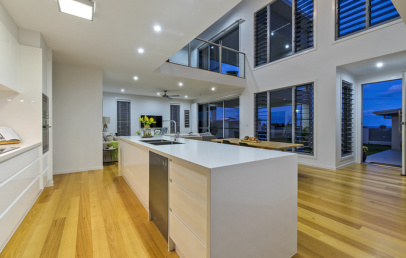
147,121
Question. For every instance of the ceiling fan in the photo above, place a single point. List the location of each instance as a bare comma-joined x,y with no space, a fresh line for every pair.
169,96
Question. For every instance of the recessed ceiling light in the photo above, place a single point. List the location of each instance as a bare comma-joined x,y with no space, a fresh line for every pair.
122,90
181,84
158,94
186,97
213,89
135,78
379,65
287,46
272,33
157,28
79,8
141,50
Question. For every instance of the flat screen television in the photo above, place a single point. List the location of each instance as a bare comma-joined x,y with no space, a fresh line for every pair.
158,120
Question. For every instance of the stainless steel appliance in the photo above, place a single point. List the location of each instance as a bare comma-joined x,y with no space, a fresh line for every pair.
158,192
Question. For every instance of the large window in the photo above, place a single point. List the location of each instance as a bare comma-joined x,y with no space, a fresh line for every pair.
286,115
283,28
357,15
175,116
123,118
222,118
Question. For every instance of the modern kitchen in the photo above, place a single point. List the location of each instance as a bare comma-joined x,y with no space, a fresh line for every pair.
202,129
194,192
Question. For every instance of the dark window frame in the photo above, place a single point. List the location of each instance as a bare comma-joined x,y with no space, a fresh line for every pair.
347,119
367,26
294,115
294,35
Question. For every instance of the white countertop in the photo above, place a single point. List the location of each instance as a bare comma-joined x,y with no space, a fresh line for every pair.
208,154
24,147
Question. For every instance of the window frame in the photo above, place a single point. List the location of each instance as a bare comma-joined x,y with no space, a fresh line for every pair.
367,21
294,103
223,106
293,34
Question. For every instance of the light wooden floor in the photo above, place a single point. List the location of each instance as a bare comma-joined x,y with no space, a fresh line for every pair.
359,211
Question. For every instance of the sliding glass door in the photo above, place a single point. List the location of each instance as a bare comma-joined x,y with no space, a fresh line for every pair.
281,115
216,119
232,118
221,119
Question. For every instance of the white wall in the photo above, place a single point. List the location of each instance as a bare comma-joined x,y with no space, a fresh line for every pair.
143,105
23,112
77,118
10,56
317,65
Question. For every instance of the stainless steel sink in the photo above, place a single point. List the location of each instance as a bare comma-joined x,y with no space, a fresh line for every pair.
152,141
161,142
165,143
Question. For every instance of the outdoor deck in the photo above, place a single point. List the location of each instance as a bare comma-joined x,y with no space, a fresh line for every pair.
390,157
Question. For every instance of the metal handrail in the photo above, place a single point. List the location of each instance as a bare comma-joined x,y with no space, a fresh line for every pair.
212,43
220,56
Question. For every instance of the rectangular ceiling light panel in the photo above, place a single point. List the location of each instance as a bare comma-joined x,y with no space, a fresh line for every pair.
80,8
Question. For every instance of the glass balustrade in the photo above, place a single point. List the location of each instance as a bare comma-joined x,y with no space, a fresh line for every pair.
209,56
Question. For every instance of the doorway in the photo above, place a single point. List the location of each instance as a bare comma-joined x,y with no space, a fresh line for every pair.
381,122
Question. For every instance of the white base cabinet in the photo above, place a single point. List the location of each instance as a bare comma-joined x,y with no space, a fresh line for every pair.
20,178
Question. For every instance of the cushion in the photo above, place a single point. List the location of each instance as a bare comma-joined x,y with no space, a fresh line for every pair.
108,138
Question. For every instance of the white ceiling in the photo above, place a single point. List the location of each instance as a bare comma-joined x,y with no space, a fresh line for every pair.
391,63
120,27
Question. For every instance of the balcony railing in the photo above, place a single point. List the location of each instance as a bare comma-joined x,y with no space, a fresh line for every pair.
210,56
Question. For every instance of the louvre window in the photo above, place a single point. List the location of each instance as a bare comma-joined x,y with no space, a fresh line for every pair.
303,25
286,115
123,118
381,11
261,37
304,116
347,110
279,34
357,15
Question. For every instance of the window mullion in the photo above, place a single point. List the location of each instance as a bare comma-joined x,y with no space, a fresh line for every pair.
293,114
367,13
293,26
268,45
268,130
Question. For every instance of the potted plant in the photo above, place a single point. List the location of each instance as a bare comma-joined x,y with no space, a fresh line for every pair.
364,153
147,125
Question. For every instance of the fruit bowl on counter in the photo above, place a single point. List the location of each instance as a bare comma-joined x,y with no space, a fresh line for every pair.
250,139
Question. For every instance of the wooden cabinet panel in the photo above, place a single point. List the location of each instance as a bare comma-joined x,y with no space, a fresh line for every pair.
192,181
191,211
188,244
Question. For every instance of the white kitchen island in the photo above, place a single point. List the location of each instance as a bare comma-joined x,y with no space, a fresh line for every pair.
224,200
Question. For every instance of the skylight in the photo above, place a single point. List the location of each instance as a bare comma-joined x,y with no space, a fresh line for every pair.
80,8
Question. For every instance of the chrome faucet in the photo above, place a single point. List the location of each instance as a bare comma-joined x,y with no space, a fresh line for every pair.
176,133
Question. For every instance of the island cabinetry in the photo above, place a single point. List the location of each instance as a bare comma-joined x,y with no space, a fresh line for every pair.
134,167
189,207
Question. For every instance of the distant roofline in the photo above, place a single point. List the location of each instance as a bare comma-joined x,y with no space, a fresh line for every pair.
388,112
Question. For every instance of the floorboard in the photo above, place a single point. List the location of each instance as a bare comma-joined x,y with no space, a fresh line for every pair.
358,211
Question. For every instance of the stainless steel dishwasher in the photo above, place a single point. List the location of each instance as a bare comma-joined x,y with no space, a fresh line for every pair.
158,192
